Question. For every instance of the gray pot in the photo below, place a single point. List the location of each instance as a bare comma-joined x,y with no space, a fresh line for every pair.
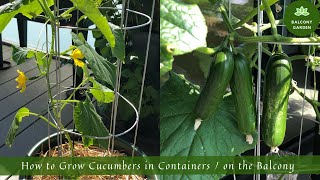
119,144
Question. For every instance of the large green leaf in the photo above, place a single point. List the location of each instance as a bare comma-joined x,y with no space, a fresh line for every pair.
19,54
182,27
5,19
22,112
216,136
29,8
119,49
101,68
33,8
89,123
101,92
90,9
182,30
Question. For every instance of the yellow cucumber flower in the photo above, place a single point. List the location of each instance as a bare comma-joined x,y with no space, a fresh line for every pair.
76,56
21,80
78,62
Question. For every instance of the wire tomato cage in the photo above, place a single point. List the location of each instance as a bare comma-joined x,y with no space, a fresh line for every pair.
60,89
257,150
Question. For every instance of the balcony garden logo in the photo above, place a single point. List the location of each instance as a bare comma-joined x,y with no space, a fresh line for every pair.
301,11
301,18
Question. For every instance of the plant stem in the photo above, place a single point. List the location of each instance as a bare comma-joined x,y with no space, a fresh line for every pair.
254,60
54,126
262,71
46,10
67,12
270,16
303,57
73,93
314,84
68,50
253,13
66,101
207,50
43,118
272,21
314,103
276,38
226,18
265,50
49,63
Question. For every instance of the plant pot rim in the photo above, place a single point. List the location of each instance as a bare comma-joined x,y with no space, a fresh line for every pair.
118,141
52,136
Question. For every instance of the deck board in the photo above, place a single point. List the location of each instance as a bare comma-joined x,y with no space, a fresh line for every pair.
32,135
7,52
8,85
9,74
39,105
32,129
6,48
33,91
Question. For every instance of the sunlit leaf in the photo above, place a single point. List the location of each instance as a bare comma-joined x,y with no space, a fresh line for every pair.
182,30
29,8
5,19
101,93
22,112
182,26
90,9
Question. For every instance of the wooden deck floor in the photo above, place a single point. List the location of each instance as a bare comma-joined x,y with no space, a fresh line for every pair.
32,129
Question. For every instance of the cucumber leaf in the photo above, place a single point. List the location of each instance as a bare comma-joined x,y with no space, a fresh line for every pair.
22,112
182,26
90,9
89,123
20,54
119,49
29,8
5,19
33,8
216,136
101,92
101,67
182,30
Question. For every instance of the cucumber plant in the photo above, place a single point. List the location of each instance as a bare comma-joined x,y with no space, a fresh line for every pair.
81,54
193,120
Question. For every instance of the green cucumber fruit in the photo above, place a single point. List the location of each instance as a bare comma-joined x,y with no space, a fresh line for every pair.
242,92
217,82
278,76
